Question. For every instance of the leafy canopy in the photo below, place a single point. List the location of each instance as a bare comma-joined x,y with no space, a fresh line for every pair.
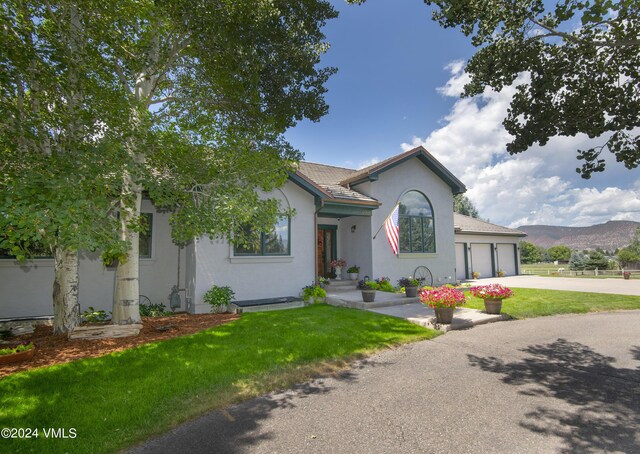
576,66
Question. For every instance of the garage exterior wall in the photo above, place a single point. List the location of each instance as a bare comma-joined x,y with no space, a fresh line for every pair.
492,253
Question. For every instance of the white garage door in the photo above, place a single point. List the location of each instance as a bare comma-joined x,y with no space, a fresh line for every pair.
507,259
481,259
460,269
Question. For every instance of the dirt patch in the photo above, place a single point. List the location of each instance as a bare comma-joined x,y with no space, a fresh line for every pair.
59,349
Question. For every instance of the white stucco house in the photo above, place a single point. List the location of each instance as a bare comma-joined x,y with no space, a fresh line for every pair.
339,213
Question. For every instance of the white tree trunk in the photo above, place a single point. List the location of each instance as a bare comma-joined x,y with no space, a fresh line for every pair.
66,310
126,297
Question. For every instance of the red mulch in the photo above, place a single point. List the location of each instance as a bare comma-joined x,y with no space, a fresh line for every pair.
59,349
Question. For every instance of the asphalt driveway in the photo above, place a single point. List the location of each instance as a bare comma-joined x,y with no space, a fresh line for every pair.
563,384
599,285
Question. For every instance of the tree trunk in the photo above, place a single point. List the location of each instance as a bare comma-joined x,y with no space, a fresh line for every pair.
66,310
126,296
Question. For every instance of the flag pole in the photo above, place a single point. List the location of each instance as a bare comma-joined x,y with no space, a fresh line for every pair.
385,220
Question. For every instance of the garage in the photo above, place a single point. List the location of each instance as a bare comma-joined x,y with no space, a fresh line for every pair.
485,248
507,258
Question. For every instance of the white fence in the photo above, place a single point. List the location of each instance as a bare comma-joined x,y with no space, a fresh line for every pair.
570,273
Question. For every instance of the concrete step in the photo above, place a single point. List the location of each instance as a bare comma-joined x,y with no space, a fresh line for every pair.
335,284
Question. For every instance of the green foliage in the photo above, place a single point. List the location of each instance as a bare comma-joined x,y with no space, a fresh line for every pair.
93,316
577,261
353,269
167,383
627,257
596,260
408,282
579,79
16,349
463,205
154,310
561,253
314,291
385,285
368,285
530,253
218,296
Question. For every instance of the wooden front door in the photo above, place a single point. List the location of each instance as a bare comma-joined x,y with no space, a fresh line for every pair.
326,248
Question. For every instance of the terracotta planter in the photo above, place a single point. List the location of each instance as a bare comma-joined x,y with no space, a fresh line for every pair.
17,357
368,296
411,292
492,306
627,276
444,315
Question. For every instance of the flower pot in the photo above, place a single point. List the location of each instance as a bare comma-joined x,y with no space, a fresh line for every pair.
411,292
338,271
492,306
444,315
627,276
353,276
17,357
368,296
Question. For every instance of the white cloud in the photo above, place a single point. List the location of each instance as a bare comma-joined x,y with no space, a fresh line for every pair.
539,186
368,162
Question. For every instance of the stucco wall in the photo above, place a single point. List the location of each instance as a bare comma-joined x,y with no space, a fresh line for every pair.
391,185
25,290
261,277
355,247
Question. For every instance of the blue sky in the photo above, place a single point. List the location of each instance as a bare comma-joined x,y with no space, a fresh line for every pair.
399,76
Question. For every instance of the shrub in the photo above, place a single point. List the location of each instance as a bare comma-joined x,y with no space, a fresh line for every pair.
218,297
154,310
353,269
93,316
16,349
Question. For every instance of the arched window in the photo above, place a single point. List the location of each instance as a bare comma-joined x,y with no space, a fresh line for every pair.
415,219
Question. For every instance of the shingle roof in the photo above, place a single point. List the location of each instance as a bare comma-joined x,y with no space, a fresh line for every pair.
466,224
328,178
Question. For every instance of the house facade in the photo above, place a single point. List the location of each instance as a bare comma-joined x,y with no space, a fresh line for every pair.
339,213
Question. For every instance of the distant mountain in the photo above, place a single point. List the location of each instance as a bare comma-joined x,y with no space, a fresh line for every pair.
608,236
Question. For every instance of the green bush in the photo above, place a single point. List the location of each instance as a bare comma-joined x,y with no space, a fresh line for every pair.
218,297
93,316
313,291
154,310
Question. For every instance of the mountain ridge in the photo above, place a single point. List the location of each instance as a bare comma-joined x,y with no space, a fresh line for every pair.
609,236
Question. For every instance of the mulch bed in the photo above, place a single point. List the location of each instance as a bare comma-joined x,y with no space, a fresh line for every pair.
59,349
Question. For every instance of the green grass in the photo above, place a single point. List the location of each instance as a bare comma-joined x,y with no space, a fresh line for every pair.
528,303
117,400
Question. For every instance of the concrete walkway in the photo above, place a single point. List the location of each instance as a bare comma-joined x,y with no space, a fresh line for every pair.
344,294
595,285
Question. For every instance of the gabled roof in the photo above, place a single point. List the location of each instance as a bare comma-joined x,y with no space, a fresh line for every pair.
466,224
371,173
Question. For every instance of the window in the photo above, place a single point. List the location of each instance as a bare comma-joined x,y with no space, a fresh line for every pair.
145,236
274,242
415,220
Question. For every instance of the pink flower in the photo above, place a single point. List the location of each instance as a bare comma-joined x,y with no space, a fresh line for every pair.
491,291
442,297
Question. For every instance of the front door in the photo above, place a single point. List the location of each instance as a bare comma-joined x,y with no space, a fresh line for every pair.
326,248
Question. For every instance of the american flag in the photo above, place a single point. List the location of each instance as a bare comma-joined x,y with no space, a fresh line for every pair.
392,230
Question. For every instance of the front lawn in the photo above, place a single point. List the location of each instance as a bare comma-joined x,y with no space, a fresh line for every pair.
527,303
117,400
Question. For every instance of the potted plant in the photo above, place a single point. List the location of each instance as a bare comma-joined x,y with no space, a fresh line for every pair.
337,266
475,275
492,294
410,286
353,272
443,300
219,298
500,273
323,281
16,353
314,294
368,290
626,274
